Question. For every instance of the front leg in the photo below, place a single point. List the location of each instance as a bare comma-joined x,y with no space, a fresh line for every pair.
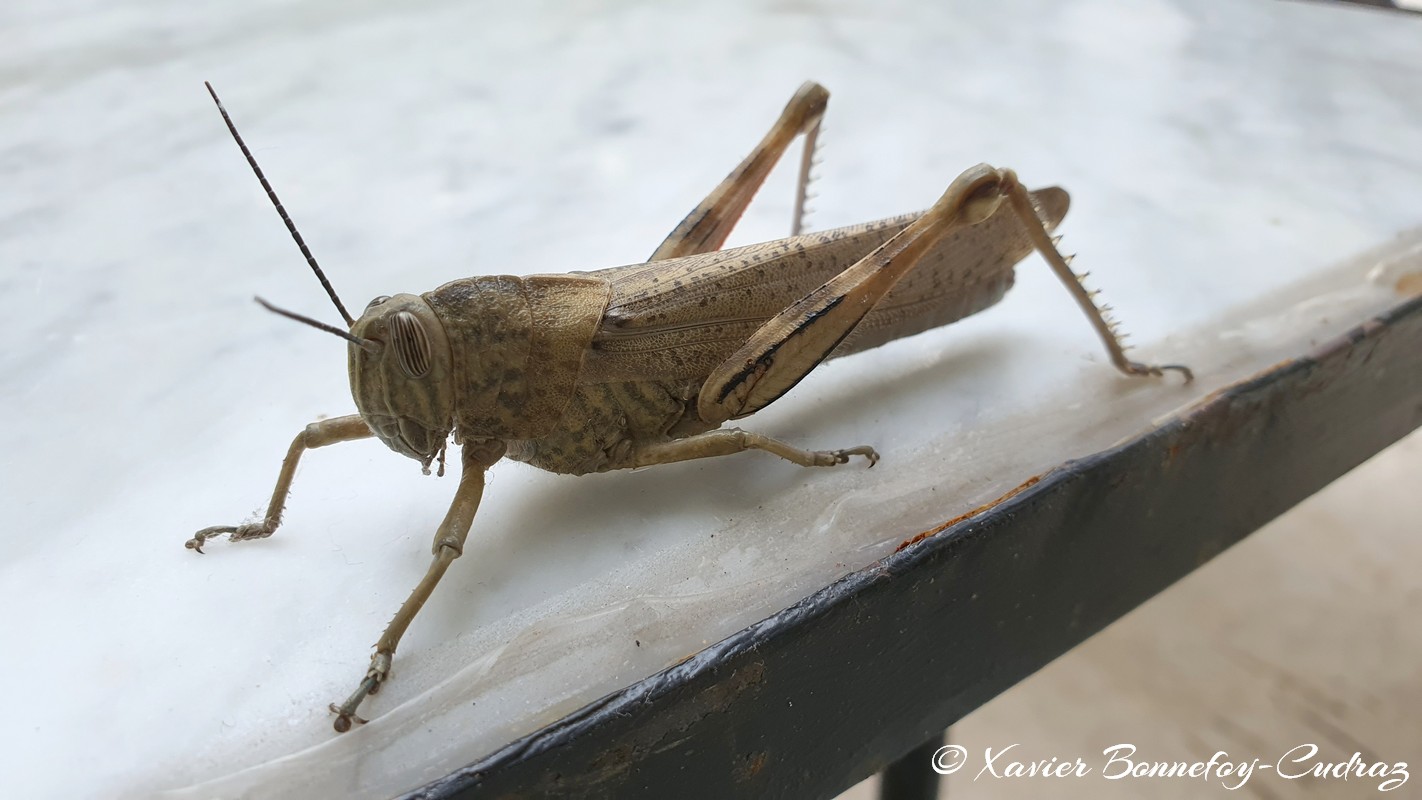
317,434
477,456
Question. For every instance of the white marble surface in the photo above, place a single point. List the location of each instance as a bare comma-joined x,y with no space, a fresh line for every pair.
1224,158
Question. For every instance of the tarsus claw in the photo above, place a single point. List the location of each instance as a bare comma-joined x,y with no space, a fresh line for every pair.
238,533
345,712
344,719
1137,368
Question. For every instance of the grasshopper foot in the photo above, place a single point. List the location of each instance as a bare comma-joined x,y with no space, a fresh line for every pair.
237,533
378,673
842,456
1137,368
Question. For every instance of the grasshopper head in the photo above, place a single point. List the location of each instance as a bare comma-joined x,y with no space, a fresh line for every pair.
399,354
401,380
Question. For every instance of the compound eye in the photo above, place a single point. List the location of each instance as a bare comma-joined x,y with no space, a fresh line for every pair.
411,344
377,301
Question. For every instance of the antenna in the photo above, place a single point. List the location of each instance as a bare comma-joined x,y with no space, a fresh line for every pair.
368,345
290,226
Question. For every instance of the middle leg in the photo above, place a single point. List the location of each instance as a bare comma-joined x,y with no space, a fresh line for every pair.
733,440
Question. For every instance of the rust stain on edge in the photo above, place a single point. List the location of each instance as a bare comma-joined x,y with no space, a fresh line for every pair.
750,766
1027,484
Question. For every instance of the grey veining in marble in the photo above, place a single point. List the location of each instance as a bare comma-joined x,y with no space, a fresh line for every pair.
1224,157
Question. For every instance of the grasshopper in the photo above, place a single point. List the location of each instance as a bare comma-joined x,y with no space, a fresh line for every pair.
641,365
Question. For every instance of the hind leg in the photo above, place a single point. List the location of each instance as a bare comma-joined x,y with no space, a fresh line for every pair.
705,229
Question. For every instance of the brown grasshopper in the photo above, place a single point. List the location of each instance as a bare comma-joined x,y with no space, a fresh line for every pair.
640,365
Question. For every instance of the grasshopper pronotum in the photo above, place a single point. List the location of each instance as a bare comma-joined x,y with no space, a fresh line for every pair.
641,365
